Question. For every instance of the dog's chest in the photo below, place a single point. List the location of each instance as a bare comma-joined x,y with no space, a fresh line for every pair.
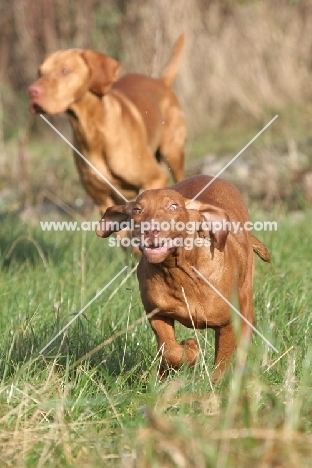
186,298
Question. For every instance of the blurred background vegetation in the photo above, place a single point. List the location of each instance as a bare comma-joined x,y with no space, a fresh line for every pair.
244,61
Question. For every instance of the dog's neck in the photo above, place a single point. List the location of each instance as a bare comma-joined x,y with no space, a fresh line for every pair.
85,115
88,106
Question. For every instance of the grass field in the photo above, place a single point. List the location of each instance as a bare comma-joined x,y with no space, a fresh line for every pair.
92,398
109,409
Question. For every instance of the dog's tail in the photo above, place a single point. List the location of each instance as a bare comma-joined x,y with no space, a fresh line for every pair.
260,249
171,68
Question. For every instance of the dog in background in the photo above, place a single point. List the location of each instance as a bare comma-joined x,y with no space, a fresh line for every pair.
123,126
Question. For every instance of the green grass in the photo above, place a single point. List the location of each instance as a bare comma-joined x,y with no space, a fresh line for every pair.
110,409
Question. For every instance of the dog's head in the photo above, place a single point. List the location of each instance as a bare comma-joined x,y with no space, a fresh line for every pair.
163,221
66,75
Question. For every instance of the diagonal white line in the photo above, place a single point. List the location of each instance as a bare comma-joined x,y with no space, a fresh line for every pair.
84,158
82,310
235,310
235,157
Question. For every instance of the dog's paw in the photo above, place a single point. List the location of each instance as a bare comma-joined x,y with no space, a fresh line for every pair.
192,349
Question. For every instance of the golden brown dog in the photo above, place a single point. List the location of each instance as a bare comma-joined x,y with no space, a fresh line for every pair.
173,259
122,126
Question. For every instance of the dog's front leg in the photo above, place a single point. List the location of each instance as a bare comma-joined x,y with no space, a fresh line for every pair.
174,354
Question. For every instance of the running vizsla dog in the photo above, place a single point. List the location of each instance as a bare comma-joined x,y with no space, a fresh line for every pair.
175,263
124,127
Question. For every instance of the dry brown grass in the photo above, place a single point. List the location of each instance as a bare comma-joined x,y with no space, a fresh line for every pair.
38,428
241,58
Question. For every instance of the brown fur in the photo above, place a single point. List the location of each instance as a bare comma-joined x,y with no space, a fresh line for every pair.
228,264
120,125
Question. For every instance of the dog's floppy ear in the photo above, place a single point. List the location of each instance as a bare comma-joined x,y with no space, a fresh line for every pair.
104,71
114,219
216,221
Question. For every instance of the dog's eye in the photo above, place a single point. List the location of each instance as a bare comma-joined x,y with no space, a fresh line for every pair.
65,71
173,207
137,210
